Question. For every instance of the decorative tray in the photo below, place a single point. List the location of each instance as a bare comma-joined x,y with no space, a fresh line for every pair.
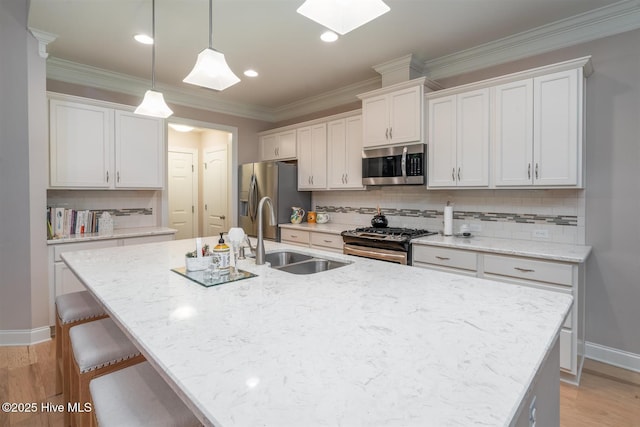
198,276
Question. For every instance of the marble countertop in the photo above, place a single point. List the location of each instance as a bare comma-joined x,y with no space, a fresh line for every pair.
369,344
329,227
119,233
528,248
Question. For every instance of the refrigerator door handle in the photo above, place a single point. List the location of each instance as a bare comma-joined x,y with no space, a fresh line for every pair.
253,195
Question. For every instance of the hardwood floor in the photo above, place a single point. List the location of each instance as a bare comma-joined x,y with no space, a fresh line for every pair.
607,396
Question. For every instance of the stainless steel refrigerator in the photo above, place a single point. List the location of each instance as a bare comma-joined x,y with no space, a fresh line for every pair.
277,180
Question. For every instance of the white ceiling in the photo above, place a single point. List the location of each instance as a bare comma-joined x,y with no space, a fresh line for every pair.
283,46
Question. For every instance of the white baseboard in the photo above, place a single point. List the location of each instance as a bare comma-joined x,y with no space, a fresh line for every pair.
612,356
25,337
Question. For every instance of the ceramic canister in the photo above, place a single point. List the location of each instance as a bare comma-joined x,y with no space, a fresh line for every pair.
311,217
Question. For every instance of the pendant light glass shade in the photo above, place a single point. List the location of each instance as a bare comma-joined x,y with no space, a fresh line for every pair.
343,16
153,102
211,70
153,105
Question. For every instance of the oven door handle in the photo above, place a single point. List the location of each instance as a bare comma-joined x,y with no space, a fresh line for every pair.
404,163
400,258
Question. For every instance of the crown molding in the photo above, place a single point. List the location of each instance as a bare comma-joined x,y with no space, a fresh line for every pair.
73,72
326,100
606,21
44,38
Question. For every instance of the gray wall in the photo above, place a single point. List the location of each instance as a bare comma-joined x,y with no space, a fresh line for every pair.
16,309
612,183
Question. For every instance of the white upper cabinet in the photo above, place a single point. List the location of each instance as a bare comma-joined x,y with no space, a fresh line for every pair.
329,151
139,151
91,146
80,145
393,115
538,131
345,153
520,130
312,157
557,128
459,140
278,146
513,137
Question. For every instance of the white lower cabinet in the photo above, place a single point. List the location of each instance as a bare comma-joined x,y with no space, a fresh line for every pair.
331,242
327,241
63,281
445,259
561,277
295,237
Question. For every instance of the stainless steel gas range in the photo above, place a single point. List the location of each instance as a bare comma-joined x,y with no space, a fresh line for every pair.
383,243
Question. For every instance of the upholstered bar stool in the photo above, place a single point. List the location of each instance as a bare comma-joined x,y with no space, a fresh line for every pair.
97,348
71,309
137,396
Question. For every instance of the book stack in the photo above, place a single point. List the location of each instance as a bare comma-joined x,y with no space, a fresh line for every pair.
66,222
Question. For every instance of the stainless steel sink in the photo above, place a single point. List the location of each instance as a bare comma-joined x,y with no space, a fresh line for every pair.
280,258
312,266
298,263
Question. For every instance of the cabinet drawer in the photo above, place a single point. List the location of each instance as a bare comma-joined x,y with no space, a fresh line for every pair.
328,240
69,247
528,269
296,236
445,257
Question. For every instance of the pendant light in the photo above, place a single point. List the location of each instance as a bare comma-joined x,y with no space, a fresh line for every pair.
153,103
211,69
343,16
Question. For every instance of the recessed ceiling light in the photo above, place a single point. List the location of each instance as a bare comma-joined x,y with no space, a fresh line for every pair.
180,128
251,73
329,36
143,38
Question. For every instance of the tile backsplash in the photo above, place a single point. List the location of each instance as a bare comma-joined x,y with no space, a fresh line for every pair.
547,215
129,208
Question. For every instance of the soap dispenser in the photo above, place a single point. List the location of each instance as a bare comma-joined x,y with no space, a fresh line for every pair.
223,254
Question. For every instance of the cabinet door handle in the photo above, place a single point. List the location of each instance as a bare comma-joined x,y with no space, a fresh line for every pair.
327,241
311,179
206,207
342,178
529,171
346,178
390,133
453,174
294,236
442,258
118,176
536,171
386,133
458,174
107,176
524,270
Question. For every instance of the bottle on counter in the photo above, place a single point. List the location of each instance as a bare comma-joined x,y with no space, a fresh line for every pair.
223,254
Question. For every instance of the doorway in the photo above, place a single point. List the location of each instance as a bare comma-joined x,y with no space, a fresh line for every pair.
201,190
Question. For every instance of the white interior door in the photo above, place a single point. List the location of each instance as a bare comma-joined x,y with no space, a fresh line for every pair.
215,191
182,193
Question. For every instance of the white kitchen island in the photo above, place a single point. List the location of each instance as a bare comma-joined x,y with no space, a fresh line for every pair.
369,344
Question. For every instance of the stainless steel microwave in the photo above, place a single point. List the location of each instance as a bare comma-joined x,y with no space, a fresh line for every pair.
399,165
